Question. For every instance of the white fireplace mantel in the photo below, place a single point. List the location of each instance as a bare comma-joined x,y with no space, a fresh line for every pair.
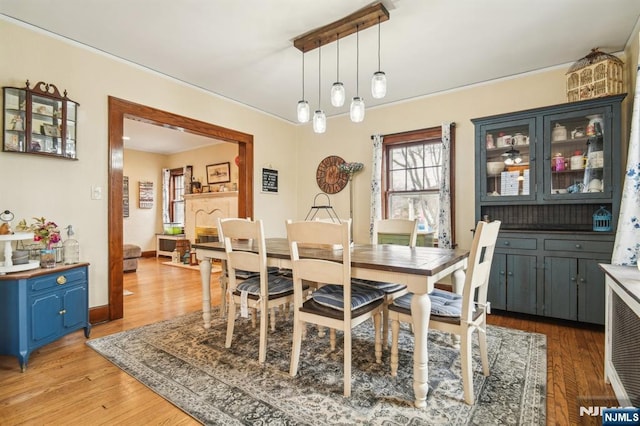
203,210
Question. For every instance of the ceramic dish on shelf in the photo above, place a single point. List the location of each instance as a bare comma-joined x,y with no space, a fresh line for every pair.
494,168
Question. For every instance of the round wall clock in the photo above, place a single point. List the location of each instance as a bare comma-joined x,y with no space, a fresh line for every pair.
328,175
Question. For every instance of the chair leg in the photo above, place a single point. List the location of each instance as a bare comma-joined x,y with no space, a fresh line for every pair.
385,321
254,317
297,343
273,319
482,341
395,331
347,360
377,340
466,364
231,319
332,338
264,328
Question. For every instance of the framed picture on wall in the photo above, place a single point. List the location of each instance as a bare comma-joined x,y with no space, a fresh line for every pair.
218,173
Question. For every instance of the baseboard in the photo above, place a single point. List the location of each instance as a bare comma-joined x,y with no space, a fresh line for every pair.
99,314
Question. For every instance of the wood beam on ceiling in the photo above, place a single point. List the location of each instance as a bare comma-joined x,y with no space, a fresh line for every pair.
362,19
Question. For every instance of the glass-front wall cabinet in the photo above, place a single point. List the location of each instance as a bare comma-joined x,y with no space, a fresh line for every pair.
506,160
39,120
578,155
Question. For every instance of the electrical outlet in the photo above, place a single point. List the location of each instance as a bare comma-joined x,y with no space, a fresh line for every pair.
96,193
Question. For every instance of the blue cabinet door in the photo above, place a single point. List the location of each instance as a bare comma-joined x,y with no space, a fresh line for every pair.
561,287
521,283
497,291
75,307
591,291
45,317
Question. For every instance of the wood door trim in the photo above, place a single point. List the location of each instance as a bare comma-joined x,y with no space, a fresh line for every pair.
120,109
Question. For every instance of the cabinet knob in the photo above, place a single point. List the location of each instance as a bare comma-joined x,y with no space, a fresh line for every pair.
578,246
501,272
510,273
506,243
62,312
61,280
573,278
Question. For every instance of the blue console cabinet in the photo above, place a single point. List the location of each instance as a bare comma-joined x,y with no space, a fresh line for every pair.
39,306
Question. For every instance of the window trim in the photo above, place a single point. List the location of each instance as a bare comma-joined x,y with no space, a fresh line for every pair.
428,135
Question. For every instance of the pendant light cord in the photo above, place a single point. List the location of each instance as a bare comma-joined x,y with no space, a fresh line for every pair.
378,43
319,67
338,58
303,75
357,60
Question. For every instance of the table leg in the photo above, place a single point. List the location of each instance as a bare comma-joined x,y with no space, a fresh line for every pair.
420,312
205,275
223,289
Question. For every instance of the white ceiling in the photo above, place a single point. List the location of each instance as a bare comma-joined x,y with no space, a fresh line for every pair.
243,50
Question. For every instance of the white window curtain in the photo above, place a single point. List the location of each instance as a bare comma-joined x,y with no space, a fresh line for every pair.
376,181
627,246
166,176
444,225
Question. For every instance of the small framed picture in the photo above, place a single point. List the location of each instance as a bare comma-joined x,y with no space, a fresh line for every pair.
50,130
205,188
218,173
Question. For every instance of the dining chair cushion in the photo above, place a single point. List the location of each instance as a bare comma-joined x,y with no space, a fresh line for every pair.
245,275
277,285
443,303
379,285
332,296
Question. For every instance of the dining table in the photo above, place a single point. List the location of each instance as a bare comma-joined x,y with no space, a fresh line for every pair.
419,268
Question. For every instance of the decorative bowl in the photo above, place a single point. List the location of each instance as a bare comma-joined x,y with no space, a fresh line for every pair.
495,167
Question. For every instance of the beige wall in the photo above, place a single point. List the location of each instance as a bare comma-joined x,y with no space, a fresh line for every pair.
142,224
222,152
60,190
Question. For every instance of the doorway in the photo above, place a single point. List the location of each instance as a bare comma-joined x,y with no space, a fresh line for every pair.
120,109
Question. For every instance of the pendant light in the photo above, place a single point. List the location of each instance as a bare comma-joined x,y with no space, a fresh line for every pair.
337,90
356,112
303,106
379,79
319,119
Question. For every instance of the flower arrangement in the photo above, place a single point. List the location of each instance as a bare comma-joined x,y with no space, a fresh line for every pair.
44,231
350,168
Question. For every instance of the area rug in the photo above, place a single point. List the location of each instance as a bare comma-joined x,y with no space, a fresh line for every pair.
214,268
190,367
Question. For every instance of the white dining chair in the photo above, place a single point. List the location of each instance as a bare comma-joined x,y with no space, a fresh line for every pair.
458,314
405,229
260,292
336,304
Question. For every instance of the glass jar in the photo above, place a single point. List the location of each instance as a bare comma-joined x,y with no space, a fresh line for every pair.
71,248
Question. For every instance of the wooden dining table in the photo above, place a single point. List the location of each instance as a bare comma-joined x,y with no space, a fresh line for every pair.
419,268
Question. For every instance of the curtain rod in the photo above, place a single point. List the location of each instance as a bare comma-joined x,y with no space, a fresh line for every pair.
452,124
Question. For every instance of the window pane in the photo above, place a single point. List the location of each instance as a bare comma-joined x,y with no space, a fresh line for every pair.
423,207
432,178
433,154
415,156
415,179
398,158
398,180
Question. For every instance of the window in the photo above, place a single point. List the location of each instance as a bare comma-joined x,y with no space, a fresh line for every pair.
176,196
413,164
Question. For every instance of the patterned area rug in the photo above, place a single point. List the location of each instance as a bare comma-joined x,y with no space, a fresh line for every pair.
190,367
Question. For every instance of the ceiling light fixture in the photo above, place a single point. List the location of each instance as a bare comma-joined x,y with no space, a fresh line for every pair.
354,23
356,112
319,119
337,90
379,79
303,105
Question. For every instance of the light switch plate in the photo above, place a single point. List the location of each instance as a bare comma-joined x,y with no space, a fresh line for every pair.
96,193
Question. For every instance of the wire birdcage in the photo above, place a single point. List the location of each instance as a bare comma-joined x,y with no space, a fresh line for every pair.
597,74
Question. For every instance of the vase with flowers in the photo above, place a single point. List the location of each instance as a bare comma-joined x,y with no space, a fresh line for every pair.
46,233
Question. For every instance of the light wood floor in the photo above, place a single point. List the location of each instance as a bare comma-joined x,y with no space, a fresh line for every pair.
66,382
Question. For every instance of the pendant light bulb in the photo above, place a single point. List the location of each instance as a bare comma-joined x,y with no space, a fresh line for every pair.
379,79
379,85
319,121
303,111
319,118
356,111
303,106
337,90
